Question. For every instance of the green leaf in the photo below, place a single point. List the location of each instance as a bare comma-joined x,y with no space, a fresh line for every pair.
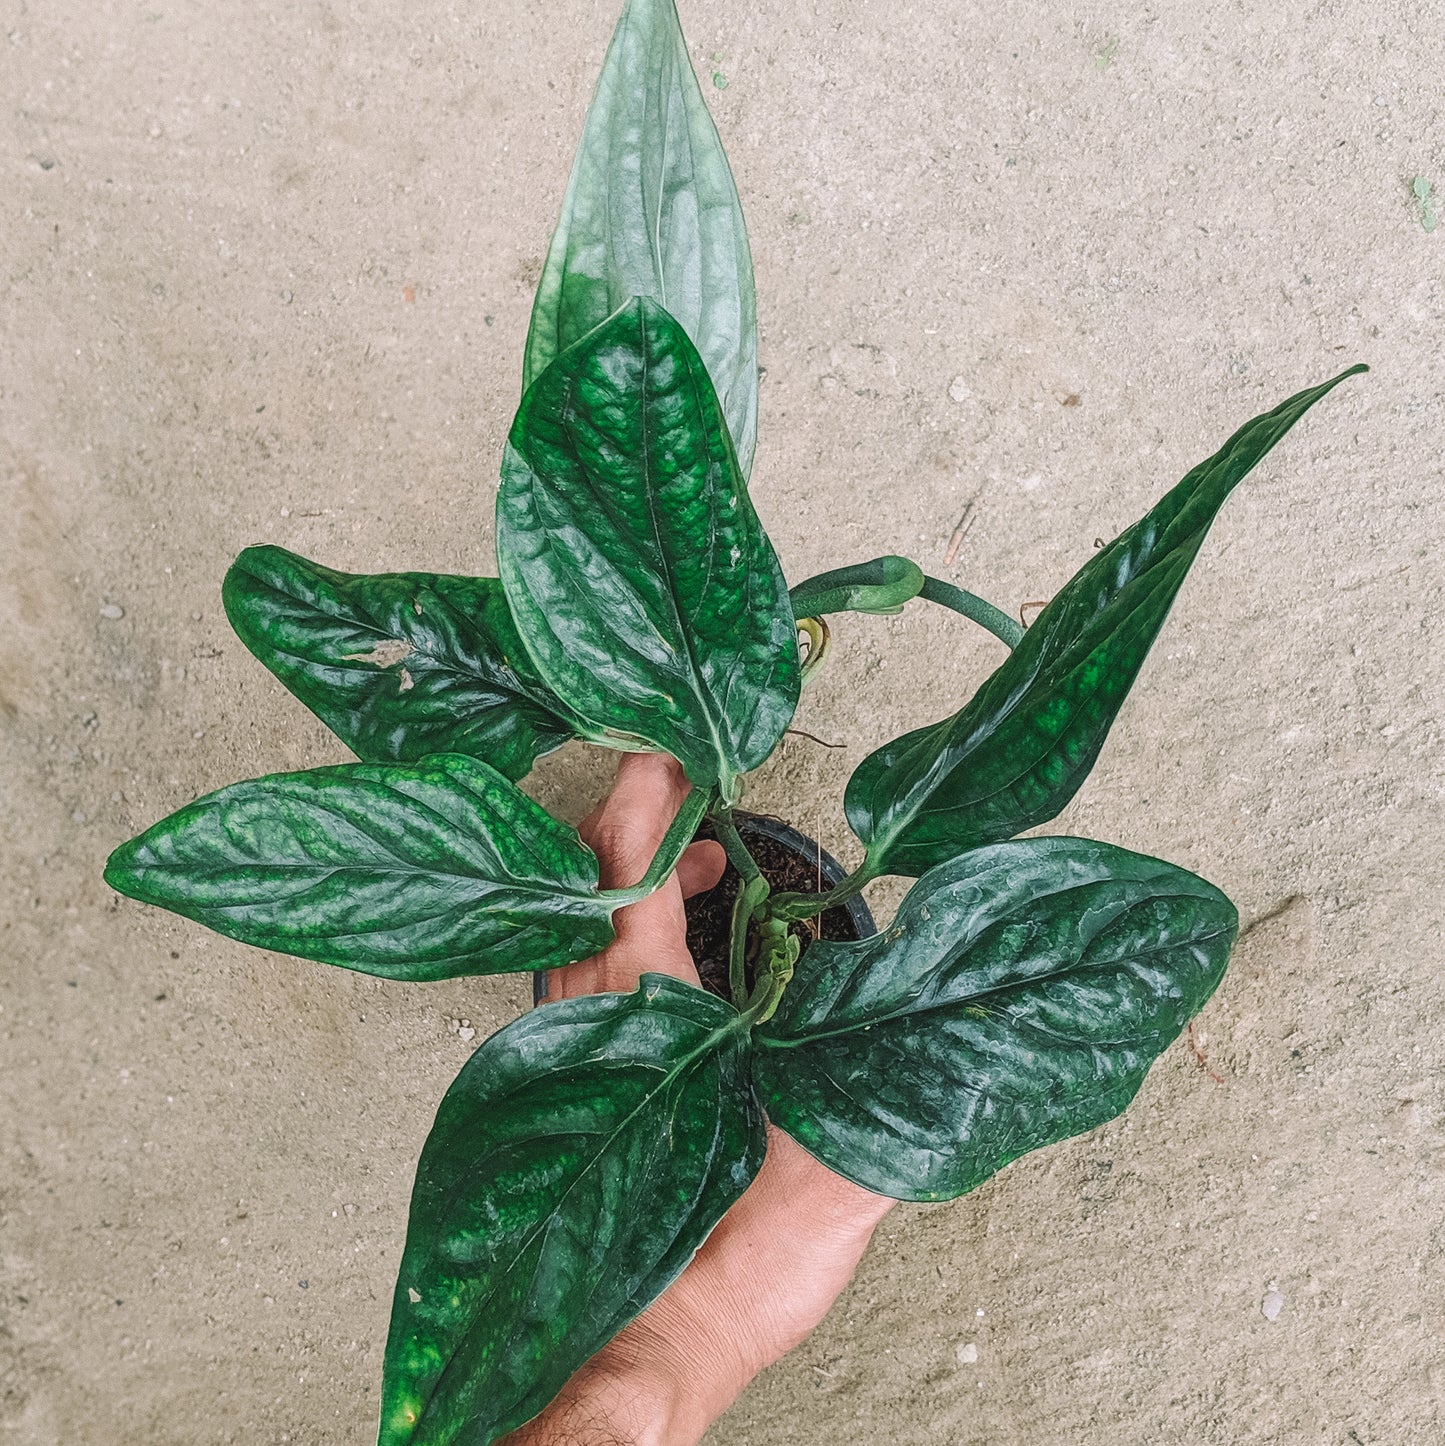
881,586
398,665
639,576
579,1160
651,210
1020,749
1019,998
425,871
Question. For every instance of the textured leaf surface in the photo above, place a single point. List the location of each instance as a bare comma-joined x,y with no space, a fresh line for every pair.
576,1164
651,210
397,665
1019,998
422,871
639,576
1019,750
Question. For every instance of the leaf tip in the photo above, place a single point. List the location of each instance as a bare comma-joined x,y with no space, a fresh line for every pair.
252,562
119,873
400,1422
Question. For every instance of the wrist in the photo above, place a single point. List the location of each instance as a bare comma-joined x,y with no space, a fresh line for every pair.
657,1397
684,1371
614,1403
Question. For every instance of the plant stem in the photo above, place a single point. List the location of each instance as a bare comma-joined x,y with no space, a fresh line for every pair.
778,953
733,845
764,1002
792,907
674,841
976,609
750,895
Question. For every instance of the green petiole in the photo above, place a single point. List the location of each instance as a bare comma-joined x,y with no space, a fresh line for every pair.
973,607
792,907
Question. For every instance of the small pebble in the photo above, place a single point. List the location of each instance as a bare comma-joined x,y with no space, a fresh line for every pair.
968,1354
1271,1305
286,298
112,612
958,389
466,1033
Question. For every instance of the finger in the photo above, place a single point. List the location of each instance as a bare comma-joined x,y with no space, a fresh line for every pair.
700,867
651,939
626,828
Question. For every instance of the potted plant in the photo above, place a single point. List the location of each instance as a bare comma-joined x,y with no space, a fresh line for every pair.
1017,997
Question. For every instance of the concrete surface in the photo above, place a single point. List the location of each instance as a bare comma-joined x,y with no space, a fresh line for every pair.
265,273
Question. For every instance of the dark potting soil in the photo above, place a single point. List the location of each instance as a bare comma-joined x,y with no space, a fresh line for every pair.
709,915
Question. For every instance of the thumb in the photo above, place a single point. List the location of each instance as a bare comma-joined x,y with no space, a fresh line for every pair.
701,867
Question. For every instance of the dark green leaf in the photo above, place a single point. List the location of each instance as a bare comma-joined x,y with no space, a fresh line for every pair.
398,665
1019,998
637,571
880,586
1018,751
422,871
651,210
576,1164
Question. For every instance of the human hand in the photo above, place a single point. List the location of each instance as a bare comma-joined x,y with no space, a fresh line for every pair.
776,1262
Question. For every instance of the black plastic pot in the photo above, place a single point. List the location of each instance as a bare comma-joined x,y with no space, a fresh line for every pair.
779,848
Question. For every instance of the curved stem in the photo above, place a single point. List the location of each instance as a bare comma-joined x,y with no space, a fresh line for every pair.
975,608
880,586
792,907
764,1001
765,998
669,851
